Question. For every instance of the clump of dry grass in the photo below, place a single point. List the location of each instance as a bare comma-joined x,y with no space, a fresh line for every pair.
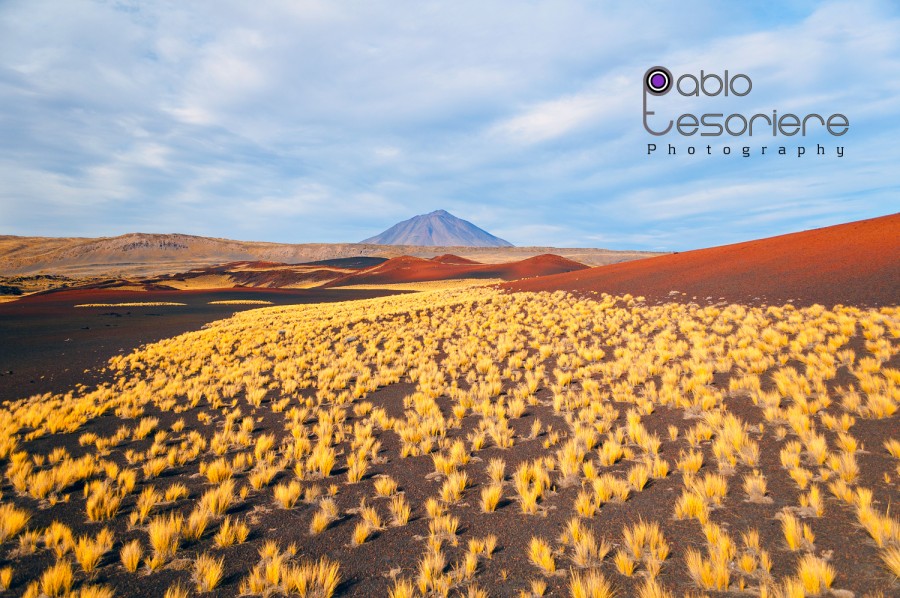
797,535
12,521
231,532
165,536
208,572
57,580
490,497
589,584
541,555
89,551
130,555
288,494
328,512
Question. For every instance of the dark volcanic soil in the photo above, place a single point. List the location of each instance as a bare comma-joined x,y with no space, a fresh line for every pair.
47,344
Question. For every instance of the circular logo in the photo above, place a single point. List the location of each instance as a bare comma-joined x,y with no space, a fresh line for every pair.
658,80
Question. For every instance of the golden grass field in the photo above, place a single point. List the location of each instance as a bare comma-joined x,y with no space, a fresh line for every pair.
208,281
627,449
241,302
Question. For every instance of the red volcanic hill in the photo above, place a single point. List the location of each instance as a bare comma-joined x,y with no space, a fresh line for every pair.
413,269
546,264
449,258
856,263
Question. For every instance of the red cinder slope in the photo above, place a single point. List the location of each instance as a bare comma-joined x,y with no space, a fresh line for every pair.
537,266
855,264
412,269
449,258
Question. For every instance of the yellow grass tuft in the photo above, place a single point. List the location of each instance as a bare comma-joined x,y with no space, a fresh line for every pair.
797,535
231,532
893,447
691,506
312,578
370,515
690,462
176,491
218,471
638,476
490,497
58,538
385,486
708,573
608,488
712,487
625,564
361,532
12,521
755,487
589,584
130,555
89,551
402,588
651,588
890,556
541,555
584,504
497,469
453,487
431,576
103,502
57,579
89,591
177,591
208,572
287,494
400,510
646,541
196,523
328,512
218,500
813,502
165,535
815,574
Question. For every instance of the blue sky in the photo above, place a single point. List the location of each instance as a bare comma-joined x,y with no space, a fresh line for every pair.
327,121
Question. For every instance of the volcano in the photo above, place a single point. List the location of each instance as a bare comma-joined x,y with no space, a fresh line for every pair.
438,228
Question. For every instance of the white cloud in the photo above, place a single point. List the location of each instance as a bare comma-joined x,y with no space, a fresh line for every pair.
555,118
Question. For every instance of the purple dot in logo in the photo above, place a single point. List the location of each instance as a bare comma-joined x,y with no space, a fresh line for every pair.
657,80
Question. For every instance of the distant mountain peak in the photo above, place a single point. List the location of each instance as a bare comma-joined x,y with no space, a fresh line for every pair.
437,228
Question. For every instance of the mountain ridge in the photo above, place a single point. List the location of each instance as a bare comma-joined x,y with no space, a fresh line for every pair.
145,254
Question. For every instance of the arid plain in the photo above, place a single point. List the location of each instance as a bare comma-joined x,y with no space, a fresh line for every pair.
716,422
